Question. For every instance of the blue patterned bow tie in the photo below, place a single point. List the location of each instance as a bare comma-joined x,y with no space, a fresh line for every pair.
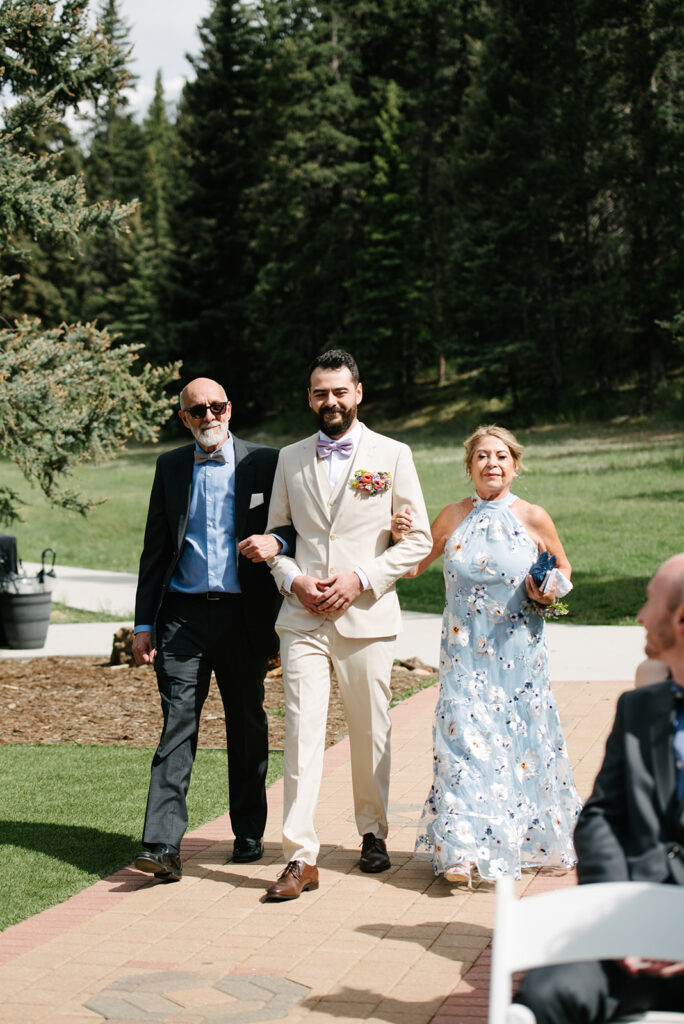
217,456
345,446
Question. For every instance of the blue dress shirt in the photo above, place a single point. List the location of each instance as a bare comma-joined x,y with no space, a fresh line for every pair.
209,558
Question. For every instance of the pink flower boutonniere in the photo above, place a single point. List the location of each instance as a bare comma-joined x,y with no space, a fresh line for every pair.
364,482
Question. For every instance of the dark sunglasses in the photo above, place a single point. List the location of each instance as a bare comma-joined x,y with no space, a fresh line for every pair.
198,412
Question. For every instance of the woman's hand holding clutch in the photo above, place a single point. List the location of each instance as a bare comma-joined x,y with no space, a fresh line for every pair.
537,594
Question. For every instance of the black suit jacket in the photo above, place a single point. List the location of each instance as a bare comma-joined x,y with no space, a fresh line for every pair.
632,827
167,521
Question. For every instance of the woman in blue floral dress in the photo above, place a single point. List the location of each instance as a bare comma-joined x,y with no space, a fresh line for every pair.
502,796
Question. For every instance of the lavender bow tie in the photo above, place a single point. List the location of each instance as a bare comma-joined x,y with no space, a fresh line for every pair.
345,446
217,456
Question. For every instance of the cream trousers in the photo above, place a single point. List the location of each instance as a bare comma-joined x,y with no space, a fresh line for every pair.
363,669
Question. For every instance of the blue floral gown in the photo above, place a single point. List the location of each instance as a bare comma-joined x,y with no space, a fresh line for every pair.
502,796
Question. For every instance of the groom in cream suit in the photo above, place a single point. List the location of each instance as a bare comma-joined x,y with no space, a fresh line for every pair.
339,490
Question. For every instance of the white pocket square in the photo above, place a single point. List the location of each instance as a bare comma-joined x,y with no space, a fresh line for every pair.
255,500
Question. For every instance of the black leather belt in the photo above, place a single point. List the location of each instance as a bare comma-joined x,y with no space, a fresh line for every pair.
211,595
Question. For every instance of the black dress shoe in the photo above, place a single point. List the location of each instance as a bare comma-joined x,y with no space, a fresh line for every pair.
246,849
161,862
374,856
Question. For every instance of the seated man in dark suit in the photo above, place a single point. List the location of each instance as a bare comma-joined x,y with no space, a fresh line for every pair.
206,601
632,827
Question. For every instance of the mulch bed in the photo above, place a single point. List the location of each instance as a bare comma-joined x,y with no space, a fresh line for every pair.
87,700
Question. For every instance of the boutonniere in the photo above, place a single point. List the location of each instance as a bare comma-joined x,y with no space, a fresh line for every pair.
365,482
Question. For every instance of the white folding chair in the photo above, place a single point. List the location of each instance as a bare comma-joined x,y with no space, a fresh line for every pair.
603,921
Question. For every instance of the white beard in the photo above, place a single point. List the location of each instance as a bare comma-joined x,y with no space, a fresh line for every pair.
210,437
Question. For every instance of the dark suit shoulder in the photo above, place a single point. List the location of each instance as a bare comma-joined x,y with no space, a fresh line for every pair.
645,698
175,457
254,445
260,456
256,450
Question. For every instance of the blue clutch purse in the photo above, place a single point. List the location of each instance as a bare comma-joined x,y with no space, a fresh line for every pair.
544,564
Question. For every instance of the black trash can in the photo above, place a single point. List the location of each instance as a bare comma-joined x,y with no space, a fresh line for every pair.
25,618
25,606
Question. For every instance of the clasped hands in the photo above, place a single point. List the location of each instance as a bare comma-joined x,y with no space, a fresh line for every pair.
334,594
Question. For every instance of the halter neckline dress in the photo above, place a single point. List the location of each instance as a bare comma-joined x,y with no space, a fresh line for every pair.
502,796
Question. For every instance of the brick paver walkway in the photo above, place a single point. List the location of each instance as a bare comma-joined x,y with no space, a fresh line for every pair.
397,947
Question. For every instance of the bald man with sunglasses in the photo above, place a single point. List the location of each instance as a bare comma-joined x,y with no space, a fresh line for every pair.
206,601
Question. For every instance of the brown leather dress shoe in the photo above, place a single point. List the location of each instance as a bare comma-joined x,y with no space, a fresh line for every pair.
297,876
374,855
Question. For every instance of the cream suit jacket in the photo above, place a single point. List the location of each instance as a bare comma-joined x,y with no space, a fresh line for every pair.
344,529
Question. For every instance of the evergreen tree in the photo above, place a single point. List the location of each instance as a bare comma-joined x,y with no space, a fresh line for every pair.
144,297
422,45
159,172
67,397
45,272
648,38
216,163
386,317
112,171
521,242
304,204
115,140
327,86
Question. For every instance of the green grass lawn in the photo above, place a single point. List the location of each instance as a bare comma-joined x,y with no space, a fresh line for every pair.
110,536
614,491
73,815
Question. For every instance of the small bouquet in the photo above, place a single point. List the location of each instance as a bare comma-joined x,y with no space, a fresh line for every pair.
365,482
552,611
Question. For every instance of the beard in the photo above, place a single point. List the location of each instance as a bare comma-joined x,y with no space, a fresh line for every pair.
339,426
659,640
211,436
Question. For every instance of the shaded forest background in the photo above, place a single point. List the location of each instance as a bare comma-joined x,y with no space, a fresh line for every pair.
489,189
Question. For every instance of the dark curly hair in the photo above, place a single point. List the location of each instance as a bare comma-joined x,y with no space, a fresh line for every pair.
334,359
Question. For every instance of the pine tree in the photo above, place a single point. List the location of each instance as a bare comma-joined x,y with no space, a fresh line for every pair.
422,45
386,316
112,173
304,203
45,271
648,37
88,396
144,296
570,201
211,234
522,192
159,172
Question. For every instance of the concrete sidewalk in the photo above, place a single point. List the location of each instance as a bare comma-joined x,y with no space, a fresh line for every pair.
92,589
397,947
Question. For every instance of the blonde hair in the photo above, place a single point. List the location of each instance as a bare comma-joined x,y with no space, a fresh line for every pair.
492,430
